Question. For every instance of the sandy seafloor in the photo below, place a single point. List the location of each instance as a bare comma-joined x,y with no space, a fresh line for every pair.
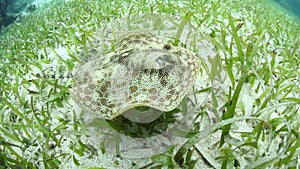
109,160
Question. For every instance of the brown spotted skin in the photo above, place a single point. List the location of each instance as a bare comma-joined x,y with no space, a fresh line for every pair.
143,70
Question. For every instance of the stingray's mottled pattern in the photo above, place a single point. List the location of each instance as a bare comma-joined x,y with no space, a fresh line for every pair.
143,70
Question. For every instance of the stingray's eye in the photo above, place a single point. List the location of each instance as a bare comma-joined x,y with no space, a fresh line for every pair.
167,47
160,61
121,57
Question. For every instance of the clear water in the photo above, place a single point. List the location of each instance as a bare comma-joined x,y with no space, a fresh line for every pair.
292,6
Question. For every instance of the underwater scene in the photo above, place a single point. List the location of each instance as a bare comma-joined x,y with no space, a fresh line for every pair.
103,84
